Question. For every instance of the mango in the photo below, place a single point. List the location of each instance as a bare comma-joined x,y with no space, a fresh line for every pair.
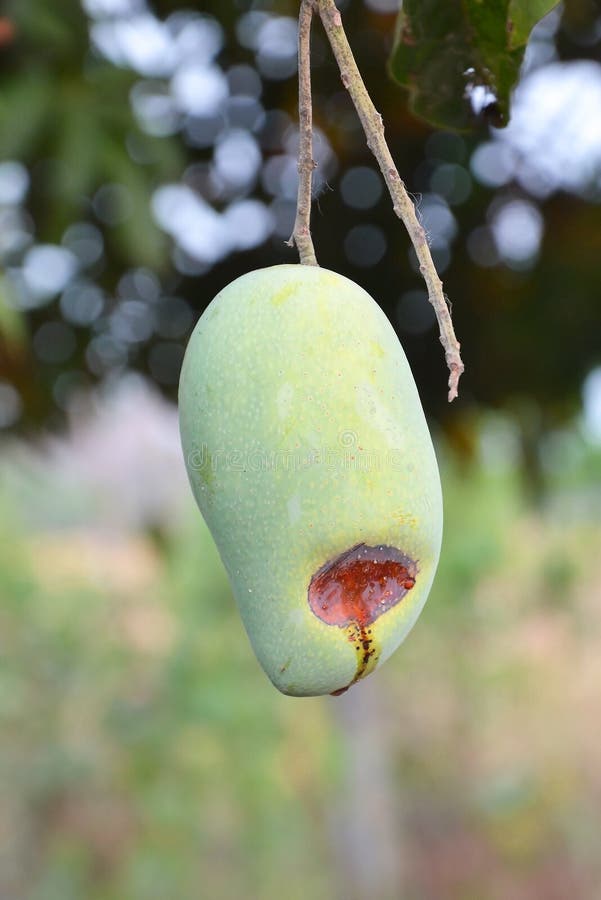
311,461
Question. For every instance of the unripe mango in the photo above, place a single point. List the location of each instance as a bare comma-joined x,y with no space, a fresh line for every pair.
311,461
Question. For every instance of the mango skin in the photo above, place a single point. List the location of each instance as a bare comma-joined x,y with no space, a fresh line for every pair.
304,436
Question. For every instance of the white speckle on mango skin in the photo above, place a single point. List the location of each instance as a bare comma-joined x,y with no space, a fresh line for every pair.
301,381
284,400
371,407
294,509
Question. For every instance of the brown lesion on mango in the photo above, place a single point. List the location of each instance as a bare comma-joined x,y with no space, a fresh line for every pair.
356,588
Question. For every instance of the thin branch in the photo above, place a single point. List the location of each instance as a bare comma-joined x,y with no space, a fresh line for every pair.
402,203
301,235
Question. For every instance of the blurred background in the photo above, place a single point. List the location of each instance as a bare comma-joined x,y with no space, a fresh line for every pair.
147,158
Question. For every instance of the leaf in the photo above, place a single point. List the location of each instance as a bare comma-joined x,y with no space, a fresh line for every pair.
25,109
137,234
523,16
444,49
76,146
13,331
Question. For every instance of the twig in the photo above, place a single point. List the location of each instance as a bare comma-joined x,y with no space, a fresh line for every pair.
403,206
301,235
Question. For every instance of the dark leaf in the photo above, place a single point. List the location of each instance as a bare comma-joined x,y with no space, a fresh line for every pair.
446,49
137,235
13,330
25,110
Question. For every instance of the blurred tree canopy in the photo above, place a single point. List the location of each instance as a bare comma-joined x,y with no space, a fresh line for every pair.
147,158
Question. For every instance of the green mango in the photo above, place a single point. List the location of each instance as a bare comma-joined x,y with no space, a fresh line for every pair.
310,459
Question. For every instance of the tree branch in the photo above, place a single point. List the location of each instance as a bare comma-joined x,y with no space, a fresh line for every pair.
402,203
301,235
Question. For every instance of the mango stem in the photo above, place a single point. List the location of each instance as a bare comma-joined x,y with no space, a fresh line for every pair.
301,235
403,206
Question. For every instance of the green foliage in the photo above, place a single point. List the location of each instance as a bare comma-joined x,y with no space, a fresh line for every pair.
444,49
65,113
144,754
13,331
139,766
68,109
